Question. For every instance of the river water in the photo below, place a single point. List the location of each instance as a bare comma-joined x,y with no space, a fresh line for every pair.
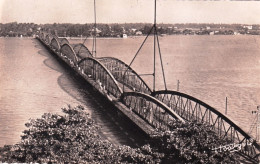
209,68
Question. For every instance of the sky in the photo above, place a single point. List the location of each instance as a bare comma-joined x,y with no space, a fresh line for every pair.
129,11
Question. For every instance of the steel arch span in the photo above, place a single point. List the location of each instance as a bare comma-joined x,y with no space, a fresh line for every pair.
42,36
153,111
81,51
69,53
95,70
55,44
48,38
63,41
132,80
193,109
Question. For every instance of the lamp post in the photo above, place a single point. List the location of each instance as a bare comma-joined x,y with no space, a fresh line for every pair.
178,85
258,124
257,112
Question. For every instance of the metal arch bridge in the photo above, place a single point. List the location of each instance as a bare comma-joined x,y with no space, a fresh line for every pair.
149,110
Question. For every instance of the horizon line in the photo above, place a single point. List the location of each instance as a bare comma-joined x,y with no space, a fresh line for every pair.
133,23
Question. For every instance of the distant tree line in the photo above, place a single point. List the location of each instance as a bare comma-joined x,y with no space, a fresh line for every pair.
15,29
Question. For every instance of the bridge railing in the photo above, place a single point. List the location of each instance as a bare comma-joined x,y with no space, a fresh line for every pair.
192,109
95,70
131,79
153,111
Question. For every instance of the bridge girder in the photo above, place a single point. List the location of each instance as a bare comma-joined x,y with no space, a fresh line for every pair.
48,38
68,51
63,41
55,44
131,79
81,51
97,71
153,111
42,36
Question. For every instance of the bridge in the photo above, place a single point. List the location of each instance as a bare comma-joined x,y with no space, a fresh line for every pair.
150,110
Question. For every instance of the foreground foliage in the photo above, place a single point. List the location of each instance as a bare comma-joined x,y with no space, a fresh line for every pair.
192,142
74,138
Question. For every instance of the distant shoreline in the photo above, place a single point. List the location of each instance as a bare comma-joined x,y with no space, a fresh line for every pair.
129,37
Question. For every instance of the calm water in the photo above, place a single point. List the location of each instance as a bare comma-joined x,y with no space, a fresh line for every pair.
208,67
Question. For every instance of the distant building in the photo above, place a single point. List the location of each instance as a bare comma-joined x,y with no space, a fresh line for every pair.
169,30
139,33
124,36
123,29
207,28
248,27
133,30
97,30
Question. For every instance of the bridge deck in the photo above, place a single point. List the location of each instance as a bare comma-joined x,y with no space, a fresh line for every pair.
135,118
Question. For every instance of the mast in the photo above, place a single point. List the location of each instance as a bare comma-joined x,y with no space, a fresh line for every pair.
154,45
156,40
94,48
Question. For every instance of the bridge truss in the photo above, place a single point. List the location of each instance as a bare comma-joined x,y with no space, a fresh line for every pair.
158,108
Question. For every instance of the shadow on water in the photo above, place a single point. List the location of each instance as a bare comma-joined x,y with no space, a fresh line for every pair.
43,53
115,128
49,62
38,46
